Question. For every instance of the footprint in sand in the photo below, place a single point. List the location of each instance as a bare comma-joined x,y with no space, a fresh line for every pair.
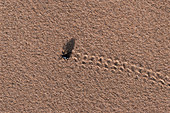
117,66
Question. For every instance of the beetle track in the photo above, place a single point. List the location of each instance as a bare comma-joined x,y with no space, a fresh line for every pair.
115,66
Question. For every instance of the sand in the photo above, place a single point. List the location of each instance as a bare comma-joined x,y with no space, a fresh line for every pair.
120,62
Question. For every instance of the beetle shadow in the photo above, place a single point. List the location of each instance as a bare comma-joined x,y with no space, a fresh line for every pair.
68,48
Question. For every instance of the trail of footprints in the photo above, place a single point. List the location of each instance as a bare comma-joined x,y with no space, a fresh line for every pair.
115,66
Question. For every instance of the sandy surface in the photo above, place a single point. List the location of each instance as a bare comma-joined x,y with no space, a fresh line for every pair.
120,63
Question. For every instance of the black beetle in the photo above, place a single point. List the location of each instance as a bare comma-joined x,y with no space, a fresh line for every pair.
66,56
67,49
